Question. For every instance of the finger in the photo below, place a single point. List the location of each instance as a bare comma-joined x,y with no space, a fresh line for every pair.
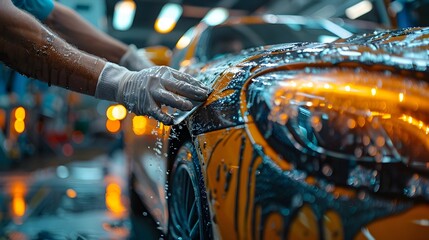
162,96
185,89
159,115
189,79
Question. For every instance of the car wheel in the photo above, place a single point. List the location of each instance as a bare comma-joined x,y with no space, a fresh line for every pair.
189,214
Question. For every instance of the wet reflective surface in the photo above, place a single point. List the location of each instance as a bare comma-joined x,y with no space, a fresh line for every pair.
361,109
305,139
79,200
318,131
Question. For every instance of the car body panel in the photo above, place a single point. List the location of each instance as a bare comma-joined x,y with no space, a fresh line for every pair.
267,172
237,142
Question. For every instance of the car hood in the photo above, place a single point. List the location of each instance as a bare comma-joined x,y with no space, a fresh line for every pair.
357,114
230,77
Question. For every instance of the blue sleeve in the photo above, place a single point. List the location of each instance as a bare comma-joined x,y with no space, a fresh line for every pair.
38,8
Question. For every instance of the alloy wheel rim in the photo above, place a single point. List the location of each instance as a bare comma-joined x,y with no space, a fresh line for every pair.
185,218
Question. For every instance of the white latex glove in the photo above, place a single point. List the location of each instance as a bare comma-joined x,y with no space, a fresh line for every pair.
146,91
135,60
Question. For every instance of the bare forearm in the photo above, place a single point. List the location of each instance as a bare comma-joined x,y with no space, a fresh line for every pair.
33,50
75,30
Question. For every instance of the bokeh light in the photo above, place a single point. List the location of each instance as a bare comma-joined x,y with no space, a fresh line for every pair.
71,193
119,112
113,126
20,113
139,125
114,199
109,113
19,126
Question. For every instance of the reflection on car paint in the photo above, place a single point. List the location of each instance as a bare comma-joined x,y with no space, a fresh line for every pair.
268,179
323,196
287,54
316,140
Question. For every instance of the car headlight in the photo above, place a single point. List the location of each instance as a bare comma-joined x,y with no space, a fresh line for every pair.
357,128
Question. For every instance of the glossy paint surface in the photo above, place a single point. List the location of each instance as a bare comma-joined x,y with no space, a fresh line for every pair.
374,105
316,140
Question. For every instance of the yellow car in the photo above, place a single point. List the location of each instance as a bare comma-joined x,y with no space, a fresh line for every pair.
302,140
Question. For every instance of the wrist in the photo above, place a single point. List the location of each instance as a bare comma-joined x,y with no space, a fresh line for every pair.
108,81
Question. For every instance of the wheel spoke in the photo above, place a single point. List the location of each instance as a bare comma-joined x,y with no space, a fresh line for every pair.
185,199
192,214
178,227
195,230
187,194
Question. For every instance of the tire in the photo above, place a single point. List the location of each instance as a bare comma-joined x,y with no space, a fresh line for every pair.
189,213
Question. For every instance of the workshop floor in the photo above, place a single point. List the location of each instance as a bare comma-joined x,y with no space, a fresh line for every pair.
70,200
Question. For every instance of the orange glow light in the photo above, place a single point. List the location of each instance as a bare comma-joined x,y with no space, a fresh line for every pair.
20,113
348,88
18,188
113,199
109,113
18,206
164,25
113,126
19,126
401,97
2,118
183,42
71,193
168,17
163,129
139,125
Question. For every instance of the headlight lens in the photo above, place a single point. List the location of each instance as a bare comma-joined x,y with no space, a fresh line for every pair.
354,127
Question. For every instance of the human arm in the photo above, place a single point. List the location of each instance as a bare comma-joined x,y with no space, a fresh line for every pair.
77,31
35,51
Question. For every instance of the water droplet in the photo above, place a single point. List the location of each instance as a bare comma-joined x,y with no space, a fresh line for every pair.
297,201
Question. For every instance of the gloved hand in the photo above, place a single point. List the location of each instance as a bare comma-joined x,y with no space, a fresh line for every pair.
135,60
146,91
